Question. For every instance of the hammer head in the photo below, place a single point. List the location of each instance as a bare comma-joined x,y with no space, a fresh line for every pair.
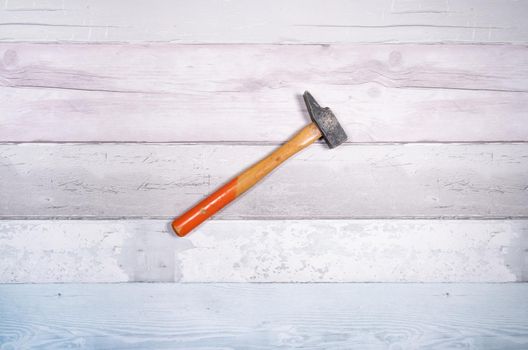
324,118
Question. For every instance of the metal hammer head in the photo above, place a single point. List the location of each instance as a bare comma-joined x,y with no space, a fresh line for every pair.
326,121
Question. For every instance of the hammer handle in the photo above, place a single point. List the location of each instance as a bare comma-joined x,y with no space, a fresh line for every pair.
240,184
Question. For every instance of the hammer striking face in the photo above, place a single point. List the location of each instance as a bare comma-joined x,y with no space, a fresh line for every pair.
324,125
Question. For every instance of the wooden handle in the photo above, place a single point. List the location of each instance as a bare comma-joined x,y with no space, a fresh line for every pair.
240,184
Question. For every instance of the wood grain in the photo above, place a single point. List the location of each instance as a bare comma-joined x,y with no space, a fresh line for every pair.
244,181
65,251
219,82
274,21
351,181
211,93
265,316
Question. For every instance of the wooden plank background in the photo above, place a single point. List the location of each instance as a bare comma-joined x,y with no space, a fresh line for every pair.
275,21
42,251
127,115
265,316
353,181
117,116
215,93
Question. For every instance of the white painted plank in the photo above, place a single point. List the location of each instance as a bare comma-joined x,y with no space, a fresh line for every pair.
265,316
158,93
351,181
43,251
275,21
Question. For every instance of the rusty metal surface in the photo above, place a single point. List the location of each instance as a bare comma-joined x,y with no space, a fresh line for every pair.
324,118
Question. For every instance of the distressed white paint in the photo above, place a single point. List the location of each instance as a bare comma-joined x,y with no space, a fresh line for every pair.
351,181
274,21
359,251
49,251
35,251
195,93
265,316
217,93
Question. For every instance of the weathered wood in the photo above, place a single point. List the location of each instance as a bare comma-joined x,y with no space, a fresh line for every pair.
175,92
36,251
265,316
274,21
200,93
351,181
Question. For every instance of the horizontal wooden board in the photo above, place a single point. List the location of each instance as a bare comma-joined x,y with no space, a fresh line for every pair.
351,181
37,251
163,93
265,316
274,21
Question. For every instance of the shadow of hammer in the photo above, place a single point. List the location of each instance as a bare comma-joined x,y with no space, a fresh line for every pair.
324,124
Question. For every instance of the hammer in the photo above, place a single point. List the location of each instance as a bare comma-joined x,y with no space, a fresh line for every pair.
324,124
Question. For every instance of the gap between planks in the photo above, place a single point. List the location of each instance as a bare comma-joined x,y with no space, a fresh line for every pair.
259,143
265,218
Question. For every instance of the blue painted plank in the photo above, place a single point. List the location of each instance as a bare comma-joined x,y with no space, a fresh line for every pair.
264,316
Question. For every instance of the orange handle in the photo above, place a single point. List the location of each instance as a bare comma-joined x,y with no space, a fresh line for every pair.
240,184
